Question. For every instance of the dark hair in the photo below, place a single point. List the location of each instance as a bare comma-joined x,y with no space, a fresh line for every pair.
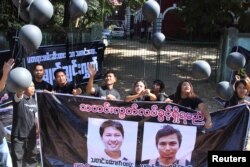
117,125
178,91
38,64
59,70
237,83
160,83
141,80
167,130
109,72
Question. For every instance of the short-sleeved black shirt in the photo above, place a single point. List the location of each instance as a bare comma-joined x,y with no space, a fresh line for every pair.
103,91
68,88
187,102
23,123
162,96
143,98
43,85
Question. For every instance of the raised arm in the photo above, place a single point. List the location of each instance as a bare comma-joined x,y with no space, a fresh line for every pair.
203,108
6,69
130,98
151,95
90,86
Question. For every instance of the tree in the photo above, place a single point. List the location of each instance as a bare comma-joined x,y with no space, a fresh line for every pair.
97,9
210,16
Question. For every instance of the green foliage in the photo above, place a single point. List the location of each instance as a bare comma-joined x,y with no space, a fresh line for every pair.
210,16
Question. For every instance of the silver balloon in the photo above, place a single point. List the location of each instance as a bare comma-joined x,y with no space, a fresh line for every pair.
30,37
151,10
224,90
235,61
24,3
158,40
201,69
78,8
19,79
41,11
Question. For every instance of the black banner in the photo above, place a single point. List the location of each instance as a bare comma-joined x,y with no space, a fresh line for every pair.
73,133
75,59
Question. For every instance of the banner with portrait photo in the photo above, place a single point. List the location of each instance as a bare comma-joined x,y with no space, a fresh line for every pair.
89,131
107,135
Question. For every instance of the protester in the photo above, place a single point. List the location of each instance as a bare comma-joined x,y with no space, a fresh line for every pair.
240,94
168,142
141,93
5,158
107,91
38,73
24,128
62,85
186,97
157,89
246,78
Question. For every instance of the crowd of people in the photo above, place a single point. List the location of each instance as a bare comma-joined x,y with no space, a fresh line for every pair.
25,125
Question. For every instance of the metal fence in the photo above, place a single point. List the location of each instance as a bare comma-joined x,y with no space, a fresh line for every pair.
138,59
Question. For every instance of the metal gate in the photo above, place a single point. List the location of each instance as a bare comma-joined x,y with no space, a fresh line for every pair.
134,59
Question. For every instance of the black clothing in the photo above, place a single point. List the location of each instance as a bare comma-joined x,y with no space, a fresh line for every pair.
23,133
187,102
68,88
103,91
23,124
24,152
2,133
234,100
42,85
162,96
143,98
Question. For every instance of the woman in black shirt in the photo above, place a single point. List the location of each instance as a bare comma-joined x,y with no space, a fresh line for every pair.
186,97
141,93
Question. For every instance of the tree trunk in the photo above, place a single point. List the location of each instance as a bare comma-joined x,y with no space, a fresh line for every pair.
66,14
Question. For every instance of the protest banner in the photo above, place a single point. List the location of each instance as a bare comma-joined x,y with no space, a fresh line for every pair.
73,131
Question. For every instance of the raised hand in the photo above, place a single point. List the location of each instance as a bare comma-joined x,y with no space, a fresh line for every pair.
8,66
92,70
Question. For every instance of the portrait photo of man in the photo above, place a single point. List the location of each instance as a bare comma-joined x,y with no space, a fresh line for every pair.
108,140
173,145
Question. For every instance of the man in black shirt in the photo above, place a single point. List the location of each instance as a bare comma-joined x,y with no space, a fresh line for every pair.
107,91
38,73
157,88
24,129
5,158
62,85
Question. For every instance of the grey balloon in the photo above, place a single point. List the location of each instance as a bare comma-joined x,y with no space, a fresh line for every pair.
158,40
201,69
41,11
224,90
235,61
24,3
19,79
78,8
30,37
151,10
